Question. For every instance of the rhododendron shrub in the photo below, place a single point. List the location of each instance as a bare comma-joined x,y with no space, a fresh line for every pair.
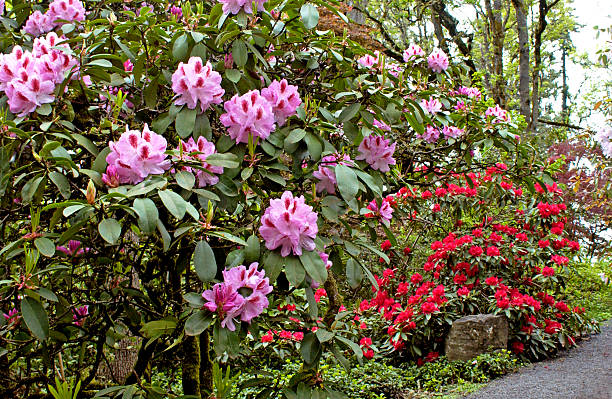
178,150
510,259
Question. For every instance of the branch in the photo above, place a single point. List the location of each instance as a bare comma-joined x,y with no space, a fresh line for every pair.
395,51
560,124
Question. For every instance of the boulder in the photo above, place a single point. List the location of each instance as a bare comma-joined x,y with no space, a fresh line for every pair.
473,335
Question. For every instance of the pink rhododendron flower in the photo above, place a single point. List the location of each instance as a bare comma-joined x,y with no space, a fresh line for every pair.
1,7
137,155
385,212
430,135
253,286
289,223
604,138
128,66
28,93
433,106
325,258
65,10
452,132
249,113
381,125
12,316
176,11
413,52
53,64
80,314
283,98
74,248
326,173
368,60
38,24
226,302
499,113
234,6
207,176
377,152
438,61
194,82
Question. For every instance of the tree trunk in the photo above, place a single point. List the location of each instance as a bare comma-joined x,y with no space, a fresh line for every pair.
523,36
564,94
206,380
494,14
544,7
356,16
435,20
191,366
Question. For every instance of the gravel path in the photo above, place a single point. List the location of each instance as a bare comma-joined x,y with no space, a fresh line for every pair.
580,373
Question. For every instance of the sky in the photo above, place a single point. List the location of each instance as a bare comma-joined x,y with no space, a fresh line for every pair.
590,13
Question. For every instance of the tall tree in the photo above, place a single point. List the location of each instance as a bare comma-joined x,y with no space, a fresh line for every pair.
524,66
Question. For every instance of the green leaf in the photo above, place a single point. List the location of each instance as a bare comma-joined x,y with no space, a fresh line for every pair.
310,348
354,273
310,15
158,328
45,246
227,160
35,317
185,121
349,112
204,261
175,204
185,179
197,323
314,265
239,53
313,308
110,230
252,249
295,136
323,335
61,182
180,47
294,270
355,347
273,264
147,214
348,185
233,75
195,299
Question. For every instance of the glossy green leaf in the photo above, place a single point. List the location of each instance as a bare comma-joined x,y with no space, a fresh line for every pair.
175,204
197,323
310,15
35,317
147,214
204,261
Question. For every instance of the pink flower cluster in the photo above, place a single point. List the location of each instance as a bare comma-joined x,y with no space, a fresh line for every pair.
234,6
385,213
29,78
413,51
59,10
326,173
135,156
430,135
256,113
368,60
471,92
283,98
242,294
80,314
74,248
289,223
199,151
194,82
437,61
452,132
433,106
250,113
377,152
604,138
500,114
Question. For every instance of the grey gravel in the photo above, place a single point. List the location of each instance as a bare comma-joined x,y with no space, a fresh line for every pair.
580,373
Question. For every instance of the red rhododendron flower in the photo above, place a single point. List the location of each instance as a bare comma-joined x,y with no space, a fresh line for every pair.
298,336
407,251
475,251
368,354
548,271
365,341
386,245
493,251
416,278
459,279
492,281
429,307
463,291
518,347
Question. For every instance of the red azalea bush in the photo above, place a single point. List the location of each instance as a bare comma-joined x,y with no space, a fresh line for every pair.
493,248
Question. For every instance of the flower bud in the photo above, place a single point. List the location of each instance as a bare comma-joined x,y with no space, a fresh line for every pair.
91,193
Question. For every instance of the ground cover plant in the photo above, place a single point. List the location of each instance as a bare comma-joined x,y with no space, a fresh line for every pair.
207,183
